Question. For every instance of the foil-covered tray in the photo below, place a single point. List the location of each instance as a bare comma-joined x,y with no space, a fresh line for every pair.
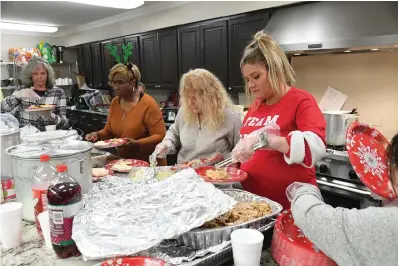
204,238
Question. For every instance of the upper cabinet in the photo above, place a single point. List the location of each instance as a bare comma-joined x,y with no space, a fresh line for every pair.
87,64
107,63
241,32
96,64
189,48
159,59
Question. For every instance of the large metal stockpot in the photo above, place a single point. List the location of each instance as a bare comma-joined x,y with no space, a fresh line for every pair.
337,123
9,138
26,159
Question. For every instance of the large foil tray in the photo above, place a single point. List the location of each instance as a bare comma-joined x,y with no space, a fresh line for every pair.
205,238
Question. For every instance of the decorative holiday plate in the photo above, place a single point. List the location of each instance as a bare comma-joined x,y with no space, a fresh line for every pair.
199,162
99,173
223,176
134,261
124,165
291,246
110,143
366,148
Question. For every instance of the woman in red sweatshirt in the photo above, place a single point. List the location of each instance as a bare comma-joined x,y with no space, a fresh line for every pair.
300,139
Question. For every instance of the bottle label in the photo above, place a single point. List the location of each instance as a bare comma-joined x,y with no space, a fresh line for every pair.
61,222
40,205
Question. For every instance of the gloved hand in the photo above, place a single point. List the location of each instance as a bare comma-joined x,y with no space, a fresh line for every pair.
163,148
292,189
26,94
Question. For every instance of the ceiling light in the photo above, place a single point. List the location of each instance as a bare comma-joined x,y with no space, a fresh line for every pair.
347,51
297,54
375,49
27,27
112,4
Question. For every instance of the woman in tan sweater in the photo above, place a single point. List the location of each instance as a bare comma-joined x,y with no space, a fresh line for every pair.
132,115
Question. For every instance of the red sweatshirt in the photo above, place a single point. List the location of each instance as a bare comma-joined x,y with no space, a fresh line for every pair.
300,120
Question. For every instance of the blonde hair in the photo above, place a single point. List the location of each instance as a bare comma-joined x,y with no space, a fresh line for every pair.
265,51
211,96
129,70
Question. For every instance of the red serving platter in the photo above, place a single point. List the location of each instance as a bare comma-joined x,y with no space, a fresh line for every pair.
234,175
134,261
201,162
131,162
366,148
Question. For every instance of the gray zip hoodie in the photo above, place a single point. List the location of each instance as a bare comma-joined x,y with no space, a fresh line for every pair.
366,237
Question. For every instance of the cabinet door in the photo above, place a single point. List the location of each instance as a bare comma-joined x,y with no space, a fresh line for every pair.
168,61
87,65
80,64
97,64
189,48
118,43
215,49
107,63
135,57
241,32
149,60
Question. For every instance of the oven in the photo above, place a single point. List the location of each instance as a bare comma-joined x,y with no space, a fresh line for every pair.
340,185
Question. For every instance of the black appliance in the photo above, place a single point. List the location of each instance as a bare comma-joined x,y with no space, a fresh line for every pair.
169,115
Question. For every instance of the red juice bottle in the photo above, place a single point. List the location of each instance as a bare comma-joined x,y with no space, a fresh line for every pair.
42,179
64,202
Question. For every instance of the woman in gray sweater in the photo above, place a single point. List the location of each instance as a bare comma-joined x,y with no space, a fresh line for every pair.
366,237
206,123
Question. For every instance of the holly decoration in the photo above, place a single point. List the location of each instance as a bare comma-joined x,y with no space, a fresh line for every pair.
127,51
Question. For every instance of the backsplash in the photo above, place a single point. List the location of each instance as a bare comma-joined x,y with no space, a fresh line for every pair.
370,80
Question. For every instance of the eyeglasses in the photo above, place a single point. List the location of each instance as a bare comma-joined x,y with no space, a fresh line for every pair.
118,82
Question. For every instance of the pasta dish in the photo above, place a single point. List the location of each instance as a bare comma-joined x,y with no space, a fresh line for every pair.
241,213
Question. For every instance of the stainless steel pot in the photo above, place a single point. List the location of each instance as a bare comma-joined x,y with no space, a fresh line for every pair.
337,123
8,139
26,159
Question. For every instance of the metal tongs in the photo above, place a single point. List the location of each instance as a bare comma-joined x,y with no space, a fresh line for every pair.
261,144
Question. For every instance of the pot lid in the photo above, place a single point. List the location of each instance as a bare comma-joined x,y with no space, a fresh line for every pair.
49,135
8,131
340,112
33,151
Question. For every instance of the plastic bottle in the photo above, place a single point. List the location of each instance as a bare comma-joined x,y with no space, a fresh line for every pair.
64,202
42,179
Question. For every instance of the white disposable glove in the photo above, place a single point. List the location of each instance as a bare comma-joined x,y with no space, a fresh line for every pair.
305,188
27,94
243,150
163,148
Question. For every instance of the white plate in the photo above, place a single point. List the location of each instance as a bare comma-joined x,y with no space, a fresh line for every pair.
40,109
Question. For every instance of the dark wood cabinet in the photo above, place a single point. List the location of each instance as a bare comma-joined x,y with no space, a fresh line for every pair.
241,32
168,59
189,48
107,63
135,57
96,64
87,64
159,59
149,63
214,49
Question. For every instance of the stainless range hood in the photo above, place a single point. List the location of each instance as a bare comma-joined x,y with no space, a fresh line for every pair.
326,27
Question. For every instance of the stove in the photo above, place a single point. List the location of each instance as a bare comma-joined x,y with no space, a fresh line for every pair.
338,182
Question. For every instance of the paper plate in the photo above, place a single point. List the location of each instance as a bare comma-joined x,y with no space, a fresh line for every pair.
234,175
134,261
41,109
110,143
366,148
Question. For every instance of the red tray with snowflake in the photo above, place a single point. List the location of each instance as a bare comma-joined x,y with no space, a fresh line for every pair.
366,148
290,246
199,162
134,261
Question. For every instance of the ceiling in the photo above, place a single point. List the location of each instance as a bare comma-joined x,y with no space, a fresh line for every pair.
64,14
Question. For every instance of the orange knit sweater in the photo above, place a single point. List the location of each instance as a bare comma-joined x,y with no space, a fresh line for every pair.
143,123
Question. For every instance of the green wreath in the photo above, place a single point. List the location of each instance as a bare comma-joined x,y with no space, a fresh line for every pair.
127,50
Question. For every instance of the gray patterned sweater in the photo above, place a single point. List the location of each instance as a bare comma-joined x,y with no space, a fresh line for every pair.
197,141
366,237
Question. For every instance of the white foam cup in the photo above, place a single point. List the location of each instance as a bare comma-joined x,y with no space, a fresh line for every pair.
11,224
246,247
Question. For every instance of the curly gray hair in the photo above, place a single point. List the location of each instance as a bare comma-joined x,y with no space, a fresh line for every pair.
26,74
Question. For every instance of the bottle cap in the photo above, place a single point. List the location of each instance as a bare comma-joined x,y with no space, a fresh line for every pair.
61,168
44,158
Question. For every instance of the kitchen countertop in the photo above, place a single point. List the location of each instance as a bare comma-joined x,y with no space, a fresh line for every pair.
33,251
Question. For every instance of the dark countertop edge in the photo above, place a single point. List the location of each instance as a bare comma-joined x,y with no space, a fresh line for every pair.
88,111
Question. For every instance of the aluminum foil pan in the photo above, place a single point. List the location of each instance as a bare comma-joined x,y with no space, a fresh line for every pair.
204,238
124,220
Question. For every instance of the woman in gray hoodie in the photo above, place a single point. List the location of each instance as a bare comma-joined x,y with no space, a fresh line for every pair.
350,237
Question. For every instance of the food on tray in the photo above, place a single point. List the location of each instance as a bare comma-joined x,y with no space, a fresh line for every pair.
220,174
99,172
194,162
35,107
110,142
121,167
241,213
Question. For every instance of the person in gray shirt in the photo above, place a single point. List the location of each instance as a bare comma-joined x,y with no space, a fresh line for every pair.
366,237
206,123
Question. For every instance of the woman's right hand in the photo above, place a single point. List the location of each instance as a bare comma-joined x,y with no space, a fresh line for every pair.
162,149
93,137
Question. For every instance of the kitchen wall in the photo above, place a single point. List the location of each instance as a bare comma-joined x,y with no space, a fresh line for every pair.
191,12
370,80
